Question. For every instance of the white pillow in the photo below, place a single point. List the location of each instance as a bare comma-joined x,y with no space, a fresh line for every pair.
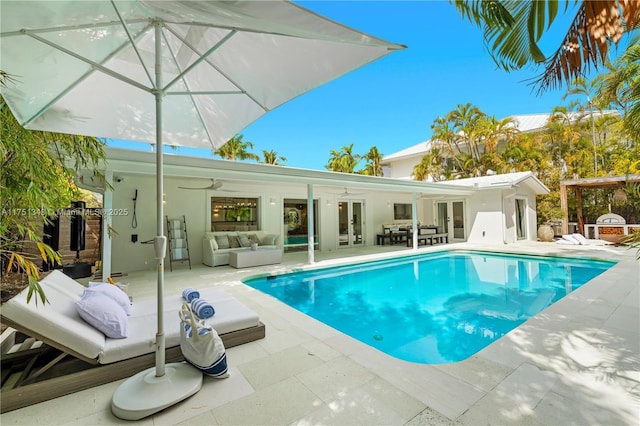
244,240
214,243
113,292
570,239
269,240
580,239
104,314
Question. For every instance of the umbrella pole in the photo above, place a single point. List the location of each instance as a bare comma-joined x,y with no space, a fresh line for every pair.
162,386
160,243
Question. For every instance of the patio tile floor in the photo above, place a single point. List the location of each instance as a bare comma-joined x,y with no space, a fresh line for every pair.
577,362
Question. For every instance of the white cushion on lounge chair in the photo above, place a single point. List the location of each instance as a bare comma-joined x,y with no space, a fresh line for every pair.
231,315
580,239
570,239
58,321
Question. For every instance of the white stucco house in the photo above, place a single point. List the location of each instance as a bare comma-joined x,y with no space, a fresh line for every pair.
348,210
400,164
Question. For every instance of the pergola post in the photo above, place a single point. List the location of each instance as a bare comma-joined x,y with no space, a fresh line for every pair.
565,209
579,210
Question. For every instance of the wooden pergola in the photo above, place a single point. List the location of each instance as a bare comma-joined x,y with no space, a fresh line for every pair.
578,185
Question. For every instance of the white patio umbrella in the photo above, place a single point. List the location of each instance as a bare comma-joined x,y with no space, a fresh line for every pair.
189,73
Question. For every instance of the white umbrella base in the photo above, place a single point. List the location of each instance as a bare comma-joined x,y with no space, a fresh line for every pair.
145,394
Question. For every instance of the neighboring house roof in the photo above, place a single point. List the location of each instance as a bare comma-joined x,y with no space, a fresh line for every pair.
524,123
417,149
507,180
534,122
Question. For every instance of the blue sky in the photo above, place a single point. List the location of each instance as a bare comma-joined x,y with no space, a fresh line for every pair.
392,102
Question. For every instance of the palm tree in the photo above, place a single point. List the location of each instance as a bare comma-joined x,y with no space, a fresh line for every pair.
465,119
445,136
272,157
236,149
373,167
513,29
344,161
621,85
432,165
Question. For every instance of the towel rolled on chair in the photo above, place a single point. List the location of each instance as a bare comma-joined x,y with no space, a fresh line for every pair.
202,308
189,294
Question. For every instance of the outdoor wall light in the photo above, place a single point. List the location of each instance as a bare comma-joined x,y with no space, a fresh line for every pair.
272,201
329,203
389,203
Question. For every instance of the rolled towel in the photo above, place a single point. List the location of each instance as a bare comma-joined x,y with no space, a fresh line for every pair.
189,294
202,308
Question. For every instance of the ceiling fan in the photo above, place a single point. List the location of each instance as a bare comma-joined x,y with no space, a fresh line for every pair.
215,186
346,193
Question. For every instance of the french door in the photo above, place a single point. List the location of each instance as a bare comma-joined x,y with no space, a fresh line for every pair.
450,219
350,223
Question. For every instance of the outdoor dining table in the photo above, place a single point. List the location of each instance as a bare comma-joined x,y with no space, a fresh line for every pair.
401,234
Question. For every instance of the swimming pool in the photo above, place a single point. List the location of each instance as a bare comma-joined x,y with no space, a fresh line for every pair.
432,308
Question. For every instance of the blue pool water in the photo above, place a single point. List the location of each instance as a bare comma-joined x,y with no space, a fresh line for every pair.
434,308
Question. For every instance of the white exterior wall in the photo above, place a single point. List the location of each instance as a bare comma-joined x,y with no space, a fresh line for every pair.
490,215
402,168
196,207
128,256
484,219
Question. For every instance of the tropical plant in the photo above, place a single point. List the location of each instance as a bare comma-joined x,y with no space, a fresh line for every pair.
237,149
344,161
36,181
513,29
469,139
373,159
272,157
620,86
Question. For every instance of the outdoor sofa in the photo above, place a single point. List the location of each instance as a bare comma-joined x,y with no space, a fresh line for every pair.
217,245
98,359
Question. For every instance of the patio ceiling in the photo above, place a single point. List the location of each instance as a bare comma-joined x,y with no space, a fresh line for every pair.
124,161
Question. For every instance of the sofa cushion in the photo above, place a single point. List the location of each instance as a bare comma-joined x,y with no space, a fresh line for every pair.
223,241
214,243
269,240
244,240
233,241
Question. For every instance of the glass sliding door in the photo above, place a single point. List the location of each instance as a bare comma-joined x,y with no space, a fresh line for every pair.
450,219
458,220
350,223
521,219
295,224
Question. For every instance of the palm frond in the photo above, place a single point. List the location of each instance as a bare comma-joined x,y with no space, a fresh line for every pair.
597,25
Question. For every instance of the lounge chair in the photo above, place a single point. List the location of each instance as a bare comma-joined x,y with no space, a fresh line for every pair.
98,359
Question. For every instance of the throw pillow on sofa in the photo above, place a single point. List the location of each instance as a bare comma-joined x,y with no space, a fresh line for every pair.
223,241
244,240
269,240
254,238
233,241
214,243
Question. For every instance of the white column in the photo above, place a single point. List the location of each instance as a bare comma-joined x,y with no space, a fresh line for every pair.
107,221
310,230
414,220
